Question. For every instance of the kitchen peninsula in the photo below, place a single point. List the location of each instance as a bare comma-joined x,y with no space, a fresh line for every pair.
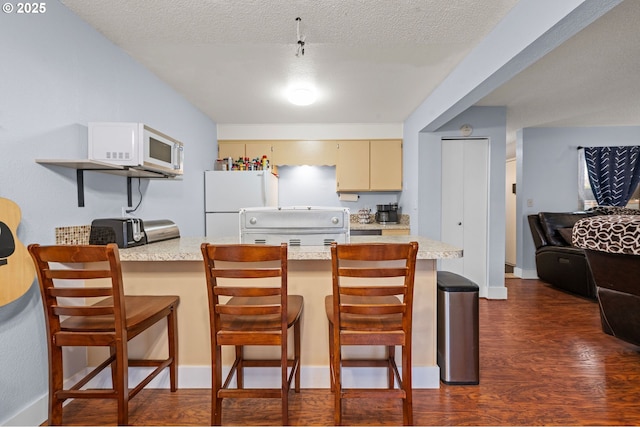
175,267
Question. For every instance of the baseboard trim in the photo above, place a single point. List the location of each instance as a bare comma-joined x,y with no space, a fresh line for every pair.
427,377
424,377
496,292
525,274
34,414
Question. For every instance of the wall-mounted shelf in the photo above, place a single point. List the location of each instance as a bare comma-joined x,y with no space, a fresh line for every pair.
95,166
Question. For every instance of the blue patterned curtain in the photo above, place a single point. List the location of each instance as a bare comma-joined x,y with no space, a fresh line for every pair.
614,173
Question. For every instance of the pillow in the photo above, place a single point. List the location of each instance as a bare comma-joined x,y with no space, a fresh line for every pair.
566,233
614,210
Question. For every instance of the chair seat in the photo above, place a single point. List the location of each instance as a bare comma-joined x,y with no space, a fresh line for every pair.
140,310
270,322
366,322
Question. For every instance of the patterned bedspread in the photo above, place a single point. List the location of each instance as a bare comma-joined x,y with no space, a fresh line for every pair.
619,234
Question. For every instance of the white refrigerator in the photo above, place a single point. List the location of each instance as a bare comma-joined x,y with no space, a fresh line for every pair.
226,192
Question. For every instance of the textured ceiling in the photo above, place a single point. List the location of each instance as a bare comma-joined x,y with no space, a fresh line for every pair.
373,61
590,80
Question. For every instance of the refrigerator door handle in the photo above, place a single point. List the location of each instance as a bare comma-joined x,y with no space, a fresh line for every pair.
264,188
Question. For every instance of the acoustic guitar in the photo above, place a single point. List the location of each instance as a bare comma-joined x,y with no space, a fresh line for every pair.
16,266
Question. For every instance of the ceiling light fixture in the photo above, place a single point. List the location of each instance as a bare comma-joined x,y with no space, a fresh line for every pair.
302,96
300,51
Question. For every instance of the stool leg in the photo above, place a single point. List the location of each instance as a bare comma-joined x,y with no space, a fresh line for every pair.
391,358
114,373
331,374
284,384
172,332
240,366
407,404
122,383
337,389
55,384
216,384
296,344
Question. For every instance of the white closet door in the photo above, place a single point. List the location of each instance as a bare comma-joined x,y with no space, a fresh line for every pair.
464,206
452,224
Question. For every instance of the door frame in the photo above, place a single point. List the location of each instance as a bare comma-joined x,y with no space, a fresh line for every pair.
484,275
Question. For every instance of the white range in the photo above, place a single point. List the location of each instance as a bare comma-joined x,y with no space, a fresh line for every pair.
295,225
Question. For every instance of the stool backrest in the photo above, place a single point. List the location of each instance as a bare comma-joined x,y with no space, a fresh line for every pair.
368,297
226,263
64,274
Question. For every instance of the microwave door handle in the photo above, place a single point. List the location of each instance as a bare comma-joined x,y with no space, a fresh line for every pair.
179,156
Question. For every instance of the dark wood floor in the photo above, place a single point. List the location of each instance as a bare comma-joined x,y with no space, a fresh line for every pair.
543,361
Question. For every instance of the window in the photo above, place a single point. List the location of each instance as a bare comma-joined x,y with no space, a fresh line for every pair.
585,195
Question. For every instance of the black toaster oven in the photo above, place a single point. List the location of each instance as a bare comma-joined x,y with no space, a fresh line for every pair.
125,232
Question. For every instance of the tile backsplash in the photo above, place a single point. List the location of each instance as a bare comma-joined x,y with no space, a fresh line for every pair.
73,235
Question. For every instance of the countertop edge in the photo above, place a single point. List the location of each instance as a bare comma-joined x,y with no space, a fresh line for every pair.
188,249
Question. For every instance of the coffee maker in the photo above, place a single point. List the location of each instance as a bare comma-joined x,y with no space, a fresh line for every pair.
387,214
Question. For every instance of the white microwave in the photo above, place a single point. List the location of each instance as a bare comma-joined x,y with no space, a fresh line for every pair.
135,145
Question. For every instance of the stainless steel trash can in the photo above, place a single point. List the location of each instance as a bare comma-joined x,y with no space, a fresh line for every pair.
458,329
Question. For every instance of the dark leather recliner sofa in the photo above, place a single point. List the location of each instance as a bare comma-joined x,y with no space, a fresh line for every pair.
558,262
612,247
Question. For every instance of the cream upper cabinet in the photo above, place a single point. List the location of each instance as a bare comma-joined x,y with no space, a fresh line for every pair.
385,161
231,149
257,149
352,168
369,165
296,153
283,152
361,165
250,149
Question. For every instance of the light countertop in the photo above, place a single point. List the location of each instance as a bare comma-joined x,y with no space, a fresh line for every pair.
188,248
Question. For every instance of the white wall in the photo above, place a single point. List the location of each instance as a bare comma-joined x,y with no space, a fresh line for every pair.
310,131
316,186
547,175
58,74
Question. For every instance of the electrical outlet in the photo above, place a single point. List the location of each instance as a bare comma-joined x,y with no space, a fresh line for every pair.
529,203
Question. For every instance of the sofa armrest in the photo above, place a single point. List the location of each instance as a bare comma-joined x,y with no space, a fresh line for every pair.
551,222
537,232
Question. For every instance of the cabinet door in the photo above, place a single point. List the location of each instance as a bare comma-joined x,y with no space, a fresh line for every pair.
304,152
234,150
258,149
386,165
313,153
395,232
352,167
280,153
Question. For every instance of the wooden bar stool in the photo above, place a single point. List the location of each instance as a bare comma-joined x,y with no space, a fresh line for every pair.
110,322
258,312
366,311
